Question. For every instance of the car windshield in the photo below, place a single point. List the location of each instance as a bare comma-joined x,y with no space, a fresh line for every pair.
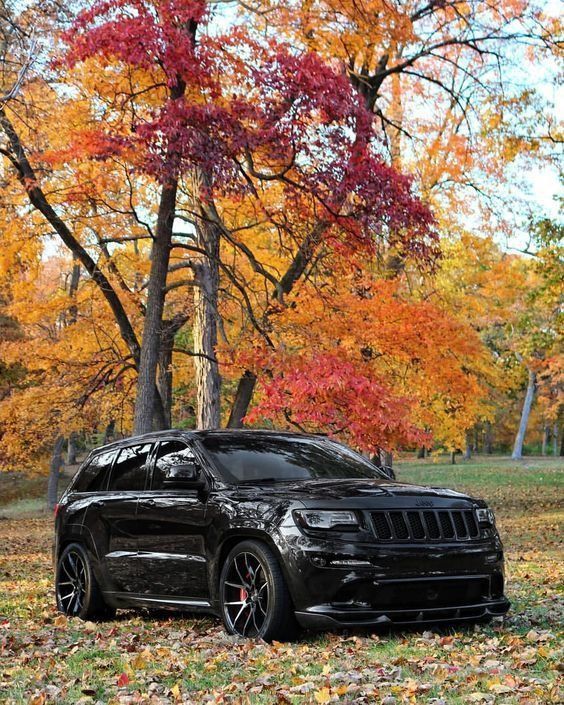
257,458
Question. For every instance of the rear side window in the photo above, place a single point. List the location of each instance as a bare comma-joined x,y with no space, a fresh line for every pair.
169,453
130,469
93,476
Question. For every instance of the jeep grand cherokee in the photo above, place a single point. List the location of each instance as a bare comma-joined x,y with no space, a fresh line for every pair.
270,530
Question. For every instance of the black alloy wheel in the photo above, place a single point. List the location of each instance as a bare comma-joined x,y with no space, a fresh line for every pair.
78,593
254,598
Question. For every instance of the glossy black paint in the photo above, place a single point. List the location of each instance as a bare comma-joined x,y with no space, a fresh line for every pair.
165,546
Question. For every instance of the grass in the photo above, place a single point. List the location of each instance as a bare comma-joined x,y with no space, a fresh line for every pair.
15,486
144,658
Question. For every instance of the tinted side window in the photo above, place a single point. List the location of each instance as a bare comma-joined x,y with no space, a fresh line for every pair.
130,469
169,453
93,476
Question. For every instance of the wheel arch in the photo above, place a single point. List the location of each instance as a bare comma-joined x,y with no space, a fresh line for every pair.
77,533
234,537
81,535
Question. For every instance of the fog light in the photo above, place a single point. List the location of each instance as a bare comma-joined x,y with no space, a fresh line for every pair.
318,561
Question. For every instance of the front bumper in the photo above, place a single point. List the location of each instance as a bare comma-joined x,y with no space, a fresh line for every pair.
347,584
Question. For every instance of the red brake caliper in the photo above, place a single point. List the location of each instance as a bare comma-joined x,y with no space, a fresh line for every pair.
243,594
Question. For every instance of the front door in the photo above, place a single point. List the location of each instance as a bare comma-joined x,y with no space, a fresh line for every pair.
172,525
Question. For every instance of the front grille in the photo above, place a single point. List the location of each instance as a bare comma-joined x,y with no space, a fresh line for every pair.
428,525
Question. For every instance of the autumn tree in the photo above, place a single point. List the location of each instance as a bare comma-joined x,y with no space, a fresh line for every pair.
280,124
540,330
231,204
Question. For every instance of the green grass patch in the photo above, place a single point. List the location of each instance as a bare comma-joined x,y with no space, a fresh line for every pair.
148,658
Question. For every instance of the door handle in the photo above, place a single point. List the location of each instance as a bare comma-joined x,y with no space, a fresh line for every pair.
97,503
148,503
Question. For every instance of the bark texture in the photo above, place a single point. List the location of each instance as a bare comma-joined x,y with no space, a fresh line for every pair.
489,438
164,376
206,279
55,472
71,449
545,438
146,404
527,404
468,449
243,397
109,432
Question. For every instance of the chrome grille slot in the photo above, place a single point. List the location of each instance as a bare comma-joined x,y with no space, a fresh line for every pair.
425,525
471,524
447,528
416,525
381,526
459,525
399,525
433,531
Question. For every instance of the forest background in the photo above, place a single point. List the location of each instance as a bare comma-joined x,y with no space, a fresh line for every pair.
325,216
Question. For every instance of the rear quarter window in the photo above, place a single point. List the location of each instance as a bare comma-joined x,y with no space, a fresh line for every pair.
94,474
129,472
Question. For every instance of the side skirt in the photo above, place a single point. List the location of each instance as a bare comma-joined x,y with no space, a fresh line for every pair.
127,599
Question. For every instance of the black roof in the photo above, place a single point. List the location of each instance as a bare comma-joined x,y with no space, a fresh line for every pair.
223,432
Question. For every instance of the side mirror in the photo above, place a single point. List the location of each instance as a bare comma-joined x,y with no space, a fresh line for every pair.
183,475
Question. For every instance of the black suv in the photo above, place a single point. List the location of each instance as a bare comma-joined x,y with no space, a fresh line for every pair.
270,530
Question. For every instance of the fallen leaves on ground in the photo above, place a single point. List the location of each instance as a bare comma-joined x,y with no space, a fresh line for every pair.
166,659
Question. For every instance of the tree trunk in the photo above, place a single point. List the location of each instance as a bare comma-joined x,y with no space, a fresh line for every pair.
206,279
242,400
520,437
109,432
545,438
386,458
453,457
54,472
555,430
489,438
145,402
73,288
164,378
71,449
148,403
468,450
476,439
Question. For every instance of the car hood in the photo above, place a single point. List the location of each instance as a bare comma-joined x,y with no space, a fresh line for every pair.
362,493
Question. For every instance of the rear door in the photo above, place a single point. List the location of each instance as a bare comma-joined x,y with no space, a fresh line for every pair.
116,526
172,527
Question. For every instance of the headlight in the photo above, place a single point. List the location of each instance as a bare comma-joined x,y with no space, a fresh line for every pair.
326,519
485,515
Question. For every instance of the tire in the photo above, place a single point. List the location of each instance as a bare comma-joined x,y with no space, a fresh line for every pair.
253,594
77,590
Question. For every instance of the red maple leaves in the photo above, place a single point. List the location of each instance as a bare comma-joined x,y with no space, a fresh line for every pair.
251,115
